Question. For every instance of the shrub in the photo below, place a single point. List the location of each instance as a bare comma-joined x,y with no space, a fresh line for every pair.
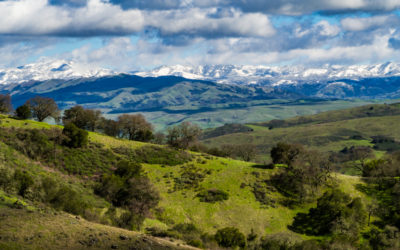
75,137
335,212
213,195
230,237
128,169
23,112
284,153
69,201
24,181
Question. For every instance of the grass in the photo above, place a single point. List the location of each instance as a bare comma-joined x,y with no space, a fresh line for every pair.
325,137
241,210
23,229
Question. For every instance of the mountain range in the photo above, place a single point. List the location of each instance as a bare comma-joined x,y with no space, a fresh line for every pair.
208,95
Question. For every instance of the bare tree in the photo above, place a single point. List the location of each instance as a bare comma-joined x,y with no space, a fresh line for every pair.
43,107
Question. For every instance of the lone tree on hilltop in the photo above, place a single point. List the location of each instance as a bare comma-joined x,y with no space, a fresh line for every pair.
43,107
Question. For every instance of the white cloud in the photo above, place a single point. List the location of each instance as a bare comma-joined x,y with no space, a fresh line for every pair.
363,23
199,22
27,17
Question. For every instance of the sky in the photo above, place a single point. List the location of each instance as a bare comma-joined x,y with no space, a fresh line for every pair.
130,35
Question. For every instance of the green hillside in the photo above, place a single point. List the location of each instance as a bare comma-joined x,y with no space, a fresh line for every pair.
199,193
327,131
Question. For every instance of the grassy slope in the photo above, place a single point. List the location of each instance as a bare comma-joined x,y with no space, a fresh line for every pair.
33,229
330,136
254,112
240,210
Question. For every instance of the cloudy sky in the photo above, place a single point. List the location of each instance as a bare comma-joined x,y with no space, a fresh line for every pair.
142,34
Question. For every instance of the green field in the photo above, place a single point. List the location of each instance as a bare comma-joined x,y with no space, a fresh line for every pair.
177,184
320,133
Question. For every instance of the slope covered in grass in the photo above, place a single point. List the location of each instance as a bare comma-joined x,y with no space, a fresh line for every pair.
250,202
330,131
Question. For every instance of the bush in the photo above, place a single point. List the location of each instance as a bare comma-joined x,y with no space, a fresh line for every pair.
213,195
230,237
23,112
24,181
69,201
75,137
335,212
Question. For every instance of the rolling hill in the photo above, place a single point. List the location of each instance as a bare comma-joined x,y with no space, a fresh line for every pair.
178,182
326,131
170,100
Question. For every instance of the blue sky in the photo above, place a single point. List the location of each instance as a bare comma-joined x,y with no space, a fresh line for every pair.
142,34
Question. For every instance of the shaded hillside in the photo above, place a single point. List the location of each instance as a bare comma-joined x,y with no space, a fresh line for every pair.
130,93
169,100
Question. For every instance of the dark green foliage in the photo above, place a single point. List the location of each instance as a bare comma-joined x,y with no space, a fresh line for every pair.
386,238
212,195
336,213
87,119
230,237
5,104
43,107
128,169
284,153
129,189
301,180
23,181
23,112
384,143
69,200
74,136
155,155
354,153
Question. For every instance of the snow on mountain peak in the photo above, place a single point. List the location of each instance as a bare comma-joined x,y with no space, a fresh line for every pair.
45,70
275,75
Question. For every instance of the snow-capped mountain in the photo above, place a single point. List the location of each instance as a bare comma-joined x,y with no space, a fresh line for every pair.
275,75
46,70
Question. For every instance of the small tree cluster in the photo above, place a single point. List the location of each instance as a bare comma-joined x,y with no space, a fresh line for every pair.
336,213
130,189
87,119
306,172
